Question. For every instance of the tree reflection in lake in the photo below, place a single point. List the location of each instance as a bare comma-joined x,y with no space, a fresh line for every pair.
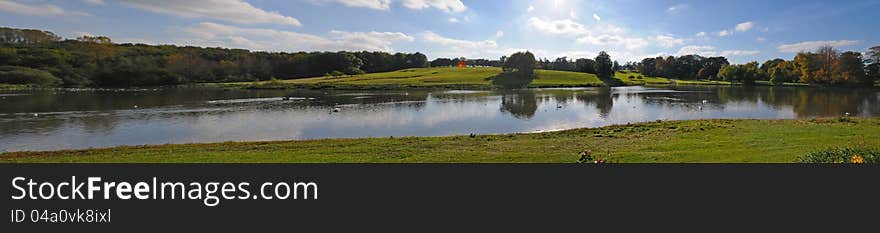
521,104
67,119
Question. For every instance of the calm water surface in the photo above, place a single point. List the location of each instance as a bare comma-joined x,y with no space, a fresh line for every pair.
73,119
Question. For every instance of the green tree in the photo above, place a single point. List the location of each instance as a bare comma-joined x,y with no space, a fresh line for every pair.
783,72
521,62
26,36
604,66
585,65
770,64
872,62
849,69
746,73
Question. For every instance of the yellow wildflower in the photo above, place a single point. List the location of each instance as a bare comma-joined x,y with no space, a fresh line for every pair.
857,159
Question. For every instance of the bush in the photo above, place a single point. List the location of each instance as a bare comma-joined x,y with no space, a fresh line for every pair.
25,75
842,155
632,77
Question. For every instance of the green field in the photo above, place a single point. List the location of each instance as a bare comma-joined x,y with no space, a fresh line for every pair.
449,77
697,141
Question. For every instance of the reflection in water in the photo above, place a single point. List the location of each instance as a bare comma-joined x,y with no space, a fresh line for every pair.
521,104
66,119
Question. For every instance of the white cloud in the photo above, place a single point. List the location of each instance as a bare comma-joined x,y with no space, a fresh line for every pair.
630,43
445,5
373,41
761,39
724,33
499,34
696,49
812,45
37,10
668,41
727,53
432,37
701,34
456,47
372,4
616,55
601,36
565,26
573,14
453,20
219,35
676,8
745,26
96,2
530,9
709,51
236,11
596,17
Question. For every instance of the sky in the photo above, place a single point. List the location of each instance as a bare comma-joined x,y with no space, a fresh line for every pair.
629,30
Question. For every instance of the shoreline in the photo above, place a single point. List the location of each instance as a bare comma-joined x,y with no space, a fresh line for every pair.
686,141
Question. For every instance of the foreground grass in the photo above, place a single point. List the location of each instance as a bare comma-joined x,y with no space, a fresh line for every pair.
672,141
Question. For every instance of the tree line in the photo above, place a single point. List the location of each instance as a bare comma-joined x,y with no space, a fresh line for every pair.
825,66
30,56
43,58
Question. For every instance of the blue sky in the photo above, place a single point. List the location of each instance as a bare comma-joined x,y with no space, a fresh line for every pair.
628,29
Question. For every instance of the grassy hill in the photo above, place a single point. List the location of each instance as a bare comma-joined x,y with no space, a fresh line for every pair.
470,78
443,77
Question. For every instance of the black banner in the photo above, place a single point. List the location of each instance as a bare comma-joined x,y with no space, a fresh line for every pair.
453,197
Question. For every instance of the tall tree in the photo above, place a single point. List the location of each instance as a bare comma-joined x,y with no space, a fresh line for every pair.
585,65
873,64
746,73
522,63
849,69
604,65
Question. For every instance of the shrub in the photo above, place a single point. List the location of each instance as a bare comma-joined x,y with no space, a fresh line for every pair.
632,77
25,75
842,155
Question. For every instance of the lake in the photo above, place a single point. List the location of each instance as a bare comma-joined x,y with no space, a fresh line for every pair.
89,118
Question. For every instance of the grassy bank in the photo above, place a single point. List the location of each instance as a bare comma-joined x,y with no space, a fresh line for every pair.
447,77
673,141
9,87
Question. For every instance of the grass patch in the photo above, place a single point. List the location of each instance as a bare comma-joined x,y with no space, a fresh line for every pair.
842,155
5,86
695,141
635,78
555,78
